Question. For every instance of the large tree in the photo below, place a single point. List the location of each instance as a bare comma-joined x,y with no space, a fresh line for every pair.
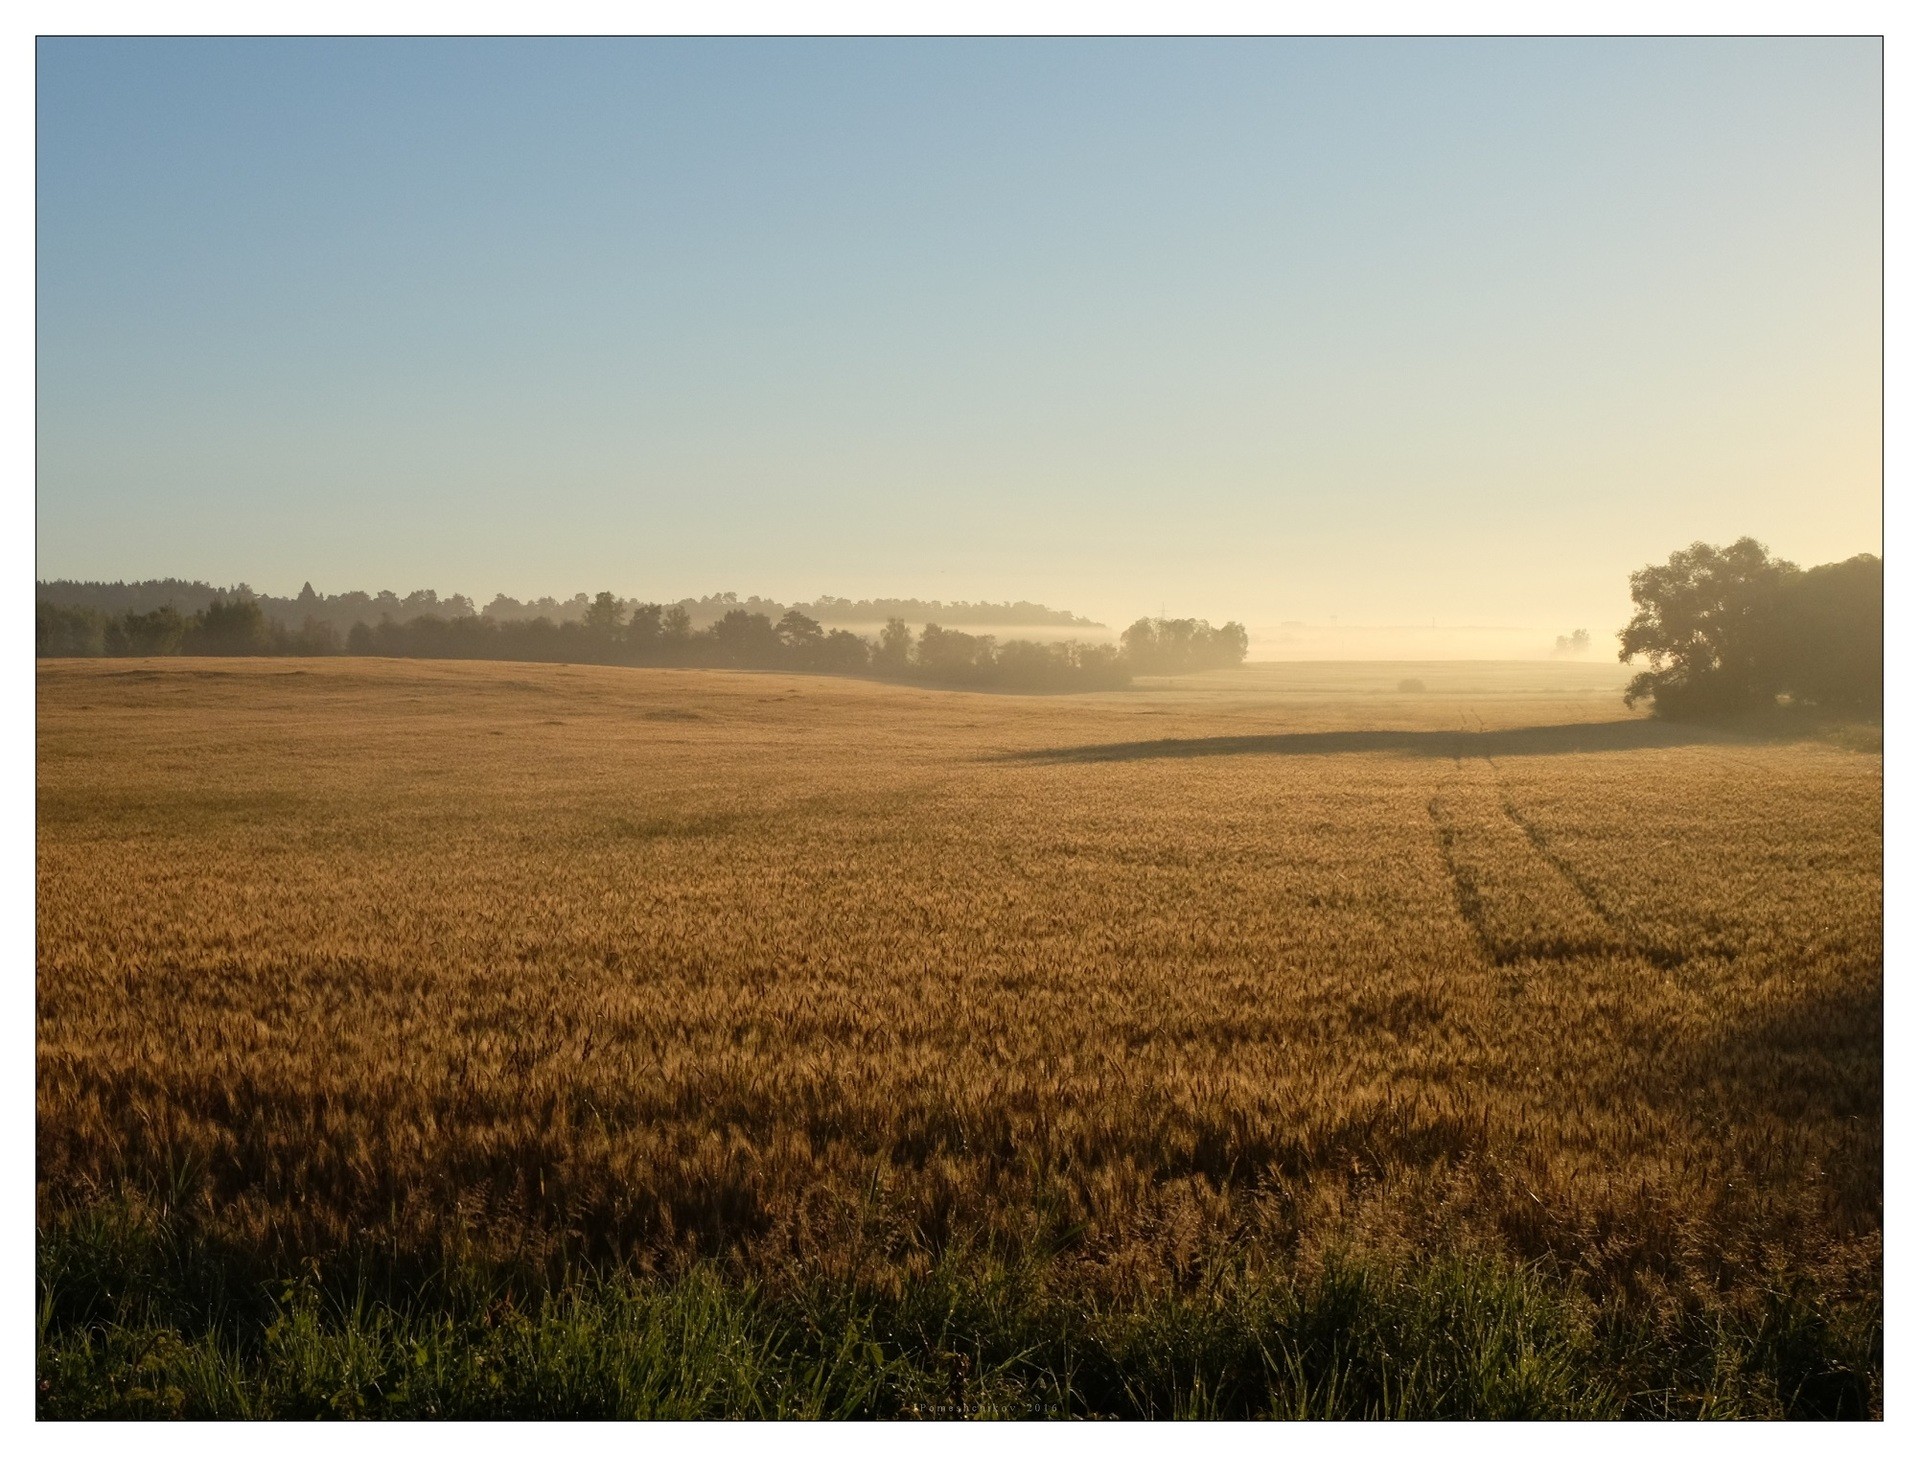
1708,622
1731,628
1834,638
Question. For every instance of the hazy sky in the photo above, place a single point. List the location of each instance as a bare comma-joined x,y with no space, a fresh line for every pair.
1397,331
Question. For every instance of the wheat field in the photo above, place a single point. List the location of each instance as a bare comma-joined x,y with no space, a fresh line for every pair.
571,965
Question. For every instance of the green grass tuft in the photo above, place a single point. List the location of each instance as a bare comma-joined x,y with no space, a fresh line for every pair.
141,1315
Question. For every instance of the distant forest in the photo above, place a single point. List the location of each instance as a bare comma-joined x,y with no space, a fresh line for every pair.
149,622
343,610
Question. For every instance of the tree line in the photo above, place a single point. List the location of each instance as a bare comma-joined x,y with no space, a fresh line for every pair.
1722,629
223,627
656,635
342,610
1730,629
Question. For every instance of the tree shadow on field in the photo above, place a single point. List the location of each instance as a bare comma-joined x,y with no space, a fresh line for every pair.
1776,1114
1811,1059
1565,738
1816,1063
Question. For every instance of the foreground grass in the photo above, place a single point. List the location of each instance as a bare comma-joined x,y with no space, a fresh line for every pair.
143,1316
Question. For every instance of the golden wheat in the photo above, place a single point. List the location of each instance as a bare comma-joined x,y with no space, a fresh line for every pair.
646,964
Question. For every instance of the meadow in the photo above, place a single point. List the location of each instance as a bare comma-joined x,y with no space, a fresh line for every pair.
492,1038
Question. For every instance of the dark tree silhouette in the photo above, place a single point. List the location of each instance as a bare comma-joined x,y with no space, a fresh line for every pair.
956,657
841,651
746,639
1727,629
1835,634
895,648
1708,623
68,632
603,630
1182,645
643,631
605,620
801,638
146,634
229,628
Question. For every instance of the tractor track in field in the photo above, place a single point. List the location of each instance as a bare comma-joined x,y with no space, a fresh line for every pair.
1589,928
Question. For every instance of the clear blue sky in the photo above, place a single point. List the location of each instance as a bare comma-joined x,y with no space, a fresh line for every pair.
1399,331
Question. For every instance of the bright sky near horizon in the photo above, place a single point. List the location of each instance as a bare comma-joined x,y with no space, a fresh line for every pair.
1393,332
